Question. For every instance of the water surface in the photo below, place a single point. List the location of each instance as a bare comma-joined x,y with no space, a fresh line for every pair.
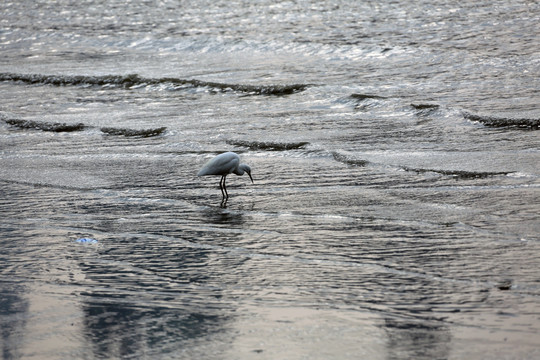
395,154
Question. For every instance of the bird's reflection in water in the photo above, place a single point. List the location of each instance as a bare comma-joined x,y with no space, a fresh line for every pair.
220,216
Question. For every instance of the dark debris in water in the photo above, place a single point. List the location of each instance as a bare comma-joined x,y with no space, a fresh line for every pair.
269,146
495,121
45,126
133,132
505,285
86,241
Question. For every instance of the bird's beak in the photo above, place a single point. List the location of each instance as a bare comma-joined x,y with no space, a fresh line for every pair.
250,177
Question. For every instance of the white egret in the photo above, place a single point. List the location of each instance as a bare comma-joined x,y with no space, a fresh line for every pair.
225,164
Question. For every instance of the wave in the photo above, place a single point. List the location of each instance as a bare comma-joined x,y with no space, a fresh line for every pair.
424,109
267,145
365,101
348,159
460,174
45,126
362,97
278,90
132,132
133,81
63,127
495,121
425,106
353,160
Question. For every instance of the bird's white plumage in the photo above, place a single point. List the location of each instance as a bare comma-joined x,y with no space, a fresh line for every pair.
223,165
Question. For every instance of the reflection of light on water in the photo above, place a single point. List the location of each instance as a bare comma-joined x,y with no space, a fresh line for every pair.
54,323
283,332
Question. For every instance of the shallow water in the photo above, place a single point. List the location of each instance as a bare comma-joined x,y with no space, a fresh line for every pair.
395,154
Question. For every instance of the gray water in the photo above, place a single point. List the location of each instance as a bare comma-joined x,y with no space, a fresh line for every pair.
395,153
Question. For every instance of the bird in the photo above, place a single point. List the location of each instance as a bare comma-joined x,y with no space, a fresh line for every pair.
225,164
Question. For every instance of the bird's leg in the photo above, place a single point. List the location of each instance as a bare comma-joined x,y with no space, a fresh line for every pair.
223,192
221,183
224,187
